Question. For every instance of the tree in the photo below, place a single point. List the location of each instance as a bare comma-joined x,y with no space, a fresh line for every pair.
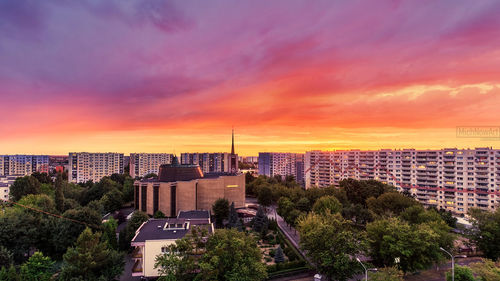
23,186
6,257
158,215
109,233
304,205
233,217
331,244
485,232
168,264
112,200
462,273
265,196
260,221
91,259
9,274
357,192
327,204
357,213
179,261
59,196
386,274
285,206
37,268
221,211
137,219
487,270
388,204
231,255
417,246
278,255
42,177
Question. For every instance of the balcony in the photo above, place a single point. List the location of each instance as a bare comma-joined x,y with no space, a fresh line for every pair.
137,253
137,269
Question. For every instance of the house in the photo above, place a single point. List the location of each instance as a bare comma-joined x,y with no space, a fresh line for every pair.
152,238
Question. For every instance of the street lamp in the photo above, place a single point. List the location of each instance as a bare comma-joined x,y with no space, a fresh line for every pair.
366,270
452,262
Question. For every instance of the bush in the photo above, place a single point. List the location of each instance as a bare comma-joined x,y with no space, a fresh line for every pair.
272,252
290,253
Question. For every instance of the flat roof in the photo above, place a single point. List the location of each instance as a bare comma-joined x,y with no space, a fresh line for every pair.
195,214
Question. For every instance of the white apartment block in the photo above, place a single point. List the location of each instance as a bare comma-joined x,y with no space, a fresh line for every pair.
5,183
283,164
85,166
451,179
23,165
209,162
142,164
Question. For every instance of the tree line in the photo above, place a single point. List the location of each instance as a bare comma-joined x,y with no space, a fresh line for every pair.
63,241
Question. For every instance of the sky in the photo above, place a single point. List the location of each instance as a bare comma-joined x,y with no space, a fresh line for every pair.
176,76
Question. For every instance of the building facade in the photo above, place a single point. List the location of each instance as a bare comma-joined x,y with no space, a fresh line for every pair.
208,162
5,183
185,187
451,179
23,165
221,162
153,237
283,164
142,164
85,166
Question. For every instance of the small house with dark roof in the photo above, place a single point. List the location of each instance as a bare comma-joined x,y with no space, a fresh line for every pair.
152,238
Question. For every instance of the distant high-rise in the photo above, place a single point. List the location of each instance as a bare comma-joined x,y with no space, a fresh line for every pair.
218,162
283,164
85,166
23,165
142,164
451,179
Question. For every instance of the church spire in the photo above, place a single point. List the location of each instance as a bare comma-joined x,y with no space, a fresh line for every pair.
232,143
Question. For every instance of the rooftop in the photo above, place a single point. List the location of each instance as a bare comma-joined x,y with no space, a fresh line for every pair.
173,228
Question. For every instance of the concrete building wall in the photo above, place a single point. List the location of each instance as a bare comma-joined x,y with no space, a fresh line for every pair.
209,190
152,248
186,196
199,194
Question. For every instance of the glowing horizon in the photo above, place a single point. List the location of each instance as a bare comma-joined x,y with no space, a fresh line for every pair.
165,76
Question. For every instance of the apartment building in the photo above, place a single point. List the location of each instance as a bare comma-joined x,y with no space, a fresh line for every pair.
283,164
142,164
85,166
153,237
23,165
5,183
452,179
209,162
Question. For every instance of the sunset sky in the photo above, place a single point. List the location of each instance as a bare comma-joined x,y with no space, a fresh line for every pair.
164,76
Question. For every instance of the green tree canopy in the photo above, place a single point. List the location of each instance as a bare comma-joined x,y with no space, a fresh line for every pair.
231,255
391,203
327,204
486,232
221,211
462,273
486,270
417,246
23,186
37,268
91,259
331,244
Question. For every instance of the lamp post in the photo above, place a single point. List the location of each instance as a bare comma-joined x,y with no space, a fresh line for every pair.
452,263
366,270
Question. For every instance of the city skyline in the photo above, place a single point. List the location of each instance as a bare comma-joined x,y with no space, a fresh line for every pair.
158,76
